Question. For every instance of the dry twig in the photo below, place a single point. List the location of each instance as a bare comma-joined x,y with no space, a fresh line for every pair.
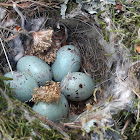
126,124
56,127
28,3
135,93
7,98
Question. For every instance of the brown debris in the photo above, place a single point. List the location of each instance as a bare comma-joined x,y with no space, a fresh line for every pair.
46,44
43,47
42,40
137,47
49,93
89,107
48,56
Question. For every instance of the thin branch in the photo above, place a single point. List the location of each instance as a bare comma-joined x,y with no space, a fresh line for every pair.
20,14
135,93
48,5
6,56
126,124
138,113
54,126
30,2
11,37
19,32
7,98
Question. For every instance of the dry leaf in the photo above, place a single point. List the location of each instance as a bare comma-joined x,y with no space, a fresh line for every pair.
137,47
43,47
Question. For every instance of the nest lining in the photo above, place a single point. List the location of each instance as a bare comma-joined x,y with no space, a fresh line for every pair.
94,60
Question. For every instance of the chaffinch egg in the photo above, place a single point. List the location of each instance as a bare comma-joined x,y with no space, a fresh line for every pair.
53,110
36,67
67,59
77,86
22,84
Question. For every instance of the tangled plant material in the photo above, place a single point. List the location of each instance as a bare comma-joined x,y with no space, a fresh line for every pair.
49,93
101,59
118,94
43,47
42,40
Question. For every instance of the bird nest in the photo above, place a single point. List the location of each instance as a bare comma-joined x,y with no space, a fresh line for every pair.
105,58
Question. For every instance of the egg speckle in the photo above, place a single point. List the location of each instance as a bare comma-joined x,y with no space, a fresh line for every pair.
77,86
35,67
22,84
67,59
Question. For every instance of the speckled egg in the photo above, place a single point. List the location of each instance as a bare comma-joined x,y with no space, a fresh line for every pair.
53,110
77,86
36,67
67,59
23,85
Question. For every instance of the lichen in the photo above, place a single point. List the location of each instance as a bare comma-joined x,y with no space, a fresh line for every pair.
51,92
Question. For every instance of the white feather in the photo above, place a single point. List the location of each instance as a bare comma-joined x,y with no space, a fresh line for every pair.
37,23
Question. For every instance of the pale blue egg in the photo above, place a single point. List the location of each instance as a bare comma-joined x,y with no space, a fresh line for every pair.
23,85
53,110
77,86
67,59
36,67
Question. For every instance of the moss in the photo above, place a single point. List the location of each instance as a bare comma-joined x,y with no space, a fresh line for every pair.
132,131
137,41
128,20
14,123
44,133
71,5
3,103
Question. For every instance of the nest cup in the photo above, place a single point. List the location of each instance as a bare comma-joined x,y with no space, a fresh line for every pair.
87,37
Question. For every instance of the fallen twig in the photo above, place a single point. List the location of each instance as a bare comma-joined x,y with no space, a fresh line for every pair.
135,93
3,47
7,98
54,126
28,3
11,37
126,124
